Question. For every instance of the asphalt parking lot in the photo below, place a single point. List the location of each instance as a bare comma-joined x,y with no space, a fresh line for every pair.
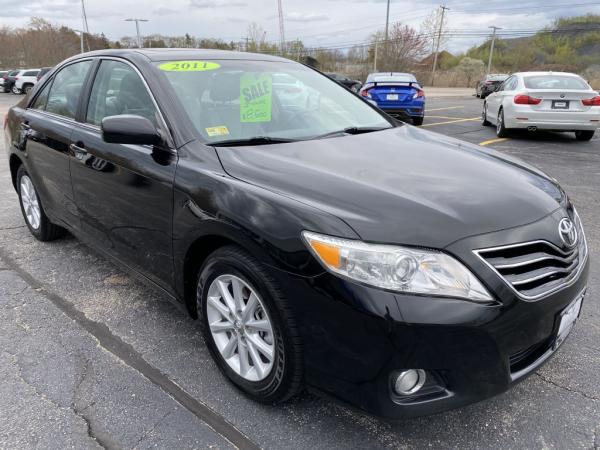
89,357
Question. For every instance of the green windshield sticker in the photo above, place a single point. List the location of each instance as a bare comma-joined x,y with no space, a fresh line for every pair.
255,97
188,66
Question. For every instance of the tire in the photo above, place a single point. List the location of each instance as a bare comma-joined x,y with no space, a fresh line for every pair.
355,87
584,135
501,130
284,375
484,121
38,223
15,90
27,88
418,121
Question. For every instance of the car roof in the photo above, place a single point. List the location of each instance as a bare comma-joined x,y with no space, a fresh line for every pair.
182,54
527,74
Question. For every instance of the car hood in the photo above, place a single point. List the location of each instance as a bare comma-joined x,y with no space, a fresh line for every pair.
403,185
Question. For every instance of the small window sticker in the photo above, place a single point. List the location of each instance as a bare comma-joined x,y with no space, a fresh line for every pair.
217,131
188,66
255,97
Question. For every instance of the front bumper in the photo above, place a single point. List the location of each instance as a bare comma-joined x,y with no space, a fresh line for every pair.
357,337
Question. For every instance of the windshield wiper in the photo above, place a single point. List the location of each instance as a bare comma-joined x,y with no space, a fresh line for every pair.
352,130
255,140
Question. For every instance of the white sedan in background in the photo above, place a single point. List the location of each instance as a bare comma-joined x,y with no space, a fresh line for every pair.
554,101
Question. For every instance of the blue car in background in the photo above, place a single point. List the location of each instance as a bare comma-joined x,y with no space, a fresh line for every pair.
398,94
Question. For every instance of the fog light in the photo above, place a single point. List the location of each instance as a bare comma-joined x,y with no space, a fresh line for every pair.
410,381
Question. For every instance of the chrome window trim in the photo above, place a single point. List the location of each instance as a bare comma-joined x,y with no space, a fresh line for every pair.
576,273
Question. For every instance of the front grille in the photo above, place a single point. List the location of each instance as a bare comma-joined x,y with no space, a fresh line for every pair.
534,269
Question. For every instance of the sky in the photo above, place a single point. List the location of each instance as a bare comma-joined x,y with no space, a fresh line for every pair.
316,22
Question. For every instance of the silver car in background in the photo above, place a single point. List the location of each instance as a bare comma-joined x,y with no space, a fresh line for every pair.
554,101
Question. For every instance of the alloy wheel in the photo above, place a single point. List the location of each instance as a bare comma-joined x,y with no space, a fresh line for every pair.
499,122
240,327
31,204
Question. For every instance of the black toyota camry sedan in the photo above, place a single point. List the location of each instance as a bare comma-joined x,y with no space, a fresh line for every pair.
320,243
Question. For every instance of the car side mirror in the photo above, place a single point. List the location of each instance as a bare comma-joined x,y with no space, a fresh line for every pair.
129,129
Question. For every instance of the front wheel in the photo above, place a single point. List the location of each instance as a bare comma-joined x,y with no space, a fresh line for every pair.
38,223
248,326
584,135
501,130
27,89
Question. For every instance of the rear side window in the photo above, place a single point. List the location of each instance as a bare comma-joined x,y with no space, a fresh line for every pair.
31,73
66,89
118,89
555,82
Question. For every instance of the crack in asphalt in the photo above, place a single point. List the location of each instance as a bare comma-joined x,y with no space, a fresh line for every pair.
12,228
80,412
40,394
147,433
566,388
129,356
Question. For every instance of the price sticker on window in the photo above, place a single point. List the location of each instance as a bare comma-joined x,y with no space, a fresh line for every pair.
255,97
188,66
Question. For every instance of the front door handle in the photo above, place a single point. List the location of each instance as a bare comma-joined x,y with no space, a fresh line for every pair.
78,151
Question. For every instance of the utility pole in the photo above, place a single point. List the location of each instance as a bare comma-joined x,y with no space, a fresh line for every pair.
375,58
387,27
437,47
80,38
281,28
84,23
492,47
137,29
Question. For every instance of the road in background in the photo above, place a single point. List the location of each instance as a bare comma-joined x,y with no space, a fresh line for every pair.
90,357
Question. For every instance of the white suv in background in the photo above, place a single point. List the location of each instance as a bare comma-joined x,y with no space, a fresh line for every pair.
25,81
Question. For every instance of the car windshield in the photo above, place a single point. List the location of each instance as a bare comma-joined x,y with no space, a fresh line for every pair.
395,78
555,82
235,100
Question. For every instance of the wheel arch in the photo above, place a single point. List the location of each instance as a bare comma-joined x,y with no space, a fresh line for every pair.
14,163
195,256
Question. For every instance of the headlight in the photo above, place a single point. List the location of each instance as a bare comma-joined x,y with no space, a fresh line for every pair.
395,268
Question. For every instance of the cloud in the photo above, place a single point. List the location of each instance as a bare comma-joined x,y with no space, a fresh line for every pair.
216,3
164,11
305,17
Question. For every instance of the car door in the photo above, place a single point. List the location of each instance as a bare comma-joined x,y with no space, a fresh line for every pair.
45,135
494,100
124,193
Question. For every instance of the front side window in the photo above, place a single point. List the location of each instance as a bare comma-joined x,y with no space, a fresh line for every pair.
66,89
42,98
118,89
241,100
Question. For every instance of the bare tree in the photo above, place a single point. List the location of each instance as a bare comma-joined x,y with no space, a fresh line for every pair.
405,47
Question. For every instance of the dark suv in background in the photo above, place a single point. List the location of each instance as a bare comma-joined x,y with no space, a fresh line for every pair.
9,80
353,85
489,84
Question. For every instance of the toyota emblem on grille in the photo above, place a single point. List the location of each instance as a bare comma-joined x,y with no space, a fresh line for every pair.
567,232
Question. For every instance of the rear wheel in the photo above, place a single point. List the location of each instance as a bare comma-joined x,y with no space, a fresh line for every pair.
15,90
355,87
38,223
584,135
248,326
418,121
501,130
